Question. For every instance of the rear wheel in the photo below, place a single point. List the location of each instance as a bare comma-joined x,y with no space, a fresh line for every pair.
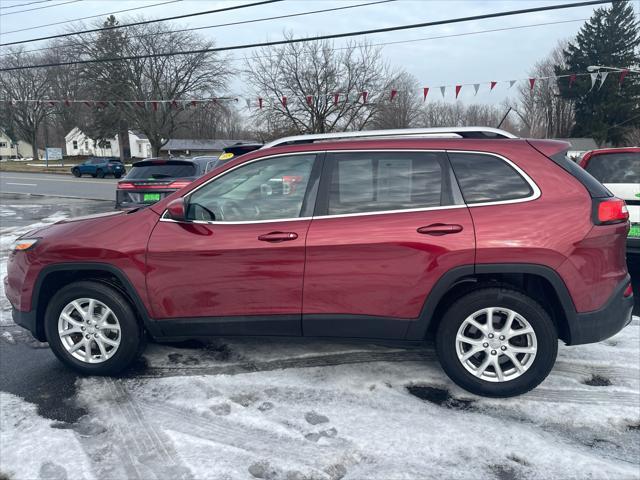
497,342
76,172
100,173
92,328
117,175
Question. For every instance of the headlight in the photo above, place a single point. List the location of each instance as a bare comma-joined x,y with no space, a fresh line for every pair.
24,244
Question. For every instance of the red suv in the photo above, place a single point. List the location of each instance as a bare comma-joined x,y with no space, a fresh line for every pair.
496,245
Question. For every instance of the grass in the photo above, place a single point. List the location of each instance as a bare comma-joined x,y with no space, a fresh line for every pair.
35,167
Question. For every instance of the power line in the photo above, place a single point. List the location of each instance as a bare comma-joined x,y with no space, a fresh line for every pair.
223,24
145,22
83,18
37,8
24,4
311,39
423,39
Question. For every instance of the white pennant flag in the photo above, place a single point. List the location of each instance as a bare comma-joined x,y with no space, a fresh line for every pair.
594,78
512,83
476,86
248,102
603,77
442,90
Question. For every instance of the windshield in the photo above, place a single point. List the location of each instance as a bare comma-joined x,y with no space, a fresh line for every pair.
623,167
162,171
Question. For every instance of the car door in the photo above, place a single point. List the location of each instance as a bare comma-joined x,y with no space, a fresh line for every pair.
388,225
236,266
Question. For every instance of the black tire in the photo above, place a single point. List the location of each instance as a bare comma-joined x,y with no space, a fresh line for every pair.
117,175
76,172
532,311
100,173
132,339
94,175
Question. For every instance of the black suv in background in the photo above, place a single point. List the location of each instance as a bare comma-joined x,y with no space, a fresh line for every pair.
150,180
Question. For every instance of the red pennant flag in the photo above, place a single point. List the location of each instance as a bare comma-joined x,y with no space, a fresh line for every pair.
492,85
623,74
336,98
532,82
140,104
458,88
309,100
53,103
102,104
174,104
260,103
572,79
425,92
393,94
284,102
154,105
67,103
88,104
364,96
194,103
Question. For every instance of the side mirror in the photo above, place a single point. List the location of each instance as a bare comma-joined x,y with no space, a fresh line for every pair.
177,210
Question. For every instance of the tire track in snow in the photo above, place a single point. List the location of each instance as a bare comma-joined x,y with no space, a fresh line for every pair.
256,441
143,451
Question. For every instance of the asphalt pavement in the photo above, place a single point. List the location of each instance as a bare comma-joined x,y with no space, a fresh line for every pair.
53,185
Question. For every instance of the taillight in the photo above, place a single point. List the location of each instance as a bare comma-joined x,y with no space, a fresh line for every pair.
610,210
126,186
628,291
178,184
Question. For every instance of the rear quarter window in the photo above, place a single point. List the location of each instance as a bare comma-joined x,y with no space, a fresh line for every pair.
486,178
623,167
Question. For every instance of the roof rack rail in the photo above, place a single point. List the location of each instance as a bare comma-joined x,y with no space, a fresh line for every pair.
446,132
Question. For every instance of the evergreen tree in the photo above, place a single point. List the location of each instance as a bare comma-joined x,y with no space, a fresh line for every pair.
611,37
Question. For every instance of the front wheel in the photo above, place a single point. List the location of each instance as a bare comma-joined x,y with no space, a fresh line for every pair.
497,342
92,328
117,175
76,172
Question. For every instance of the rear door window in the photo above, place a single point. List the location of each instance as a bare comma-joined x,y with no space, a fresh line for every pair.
487,178
615,167
383,181
160,171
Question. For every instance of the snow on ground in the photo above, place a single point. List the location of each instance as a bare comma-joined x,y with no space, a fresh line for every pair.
303,409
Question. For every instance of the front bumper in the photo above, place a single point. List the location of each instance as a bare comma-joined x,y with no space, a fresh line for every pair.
27,320
591,327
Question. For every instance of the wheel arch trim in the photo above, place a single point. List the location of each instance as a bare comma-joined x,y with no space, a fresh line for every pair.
418,330
128,287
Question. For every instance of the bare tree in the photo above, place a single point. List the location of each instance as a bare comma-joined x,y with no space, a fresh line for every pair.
402,108
311,87
24,93
172,78
544,113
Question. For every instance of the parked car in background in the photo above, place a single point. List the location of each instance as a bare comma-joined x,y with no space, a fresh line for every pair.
100,167
497,246
234,151
619,170
150,180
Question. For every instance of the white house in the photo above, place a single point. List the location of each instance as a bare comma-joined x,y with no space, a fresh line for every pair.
10,148
77,143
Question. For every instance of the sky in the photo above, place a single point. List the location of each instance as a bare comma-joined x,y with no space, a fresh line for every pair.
476,58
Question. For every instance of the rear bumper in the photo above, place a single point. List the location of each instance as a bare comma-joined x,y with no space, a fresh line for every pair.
591,327
633,246
135,198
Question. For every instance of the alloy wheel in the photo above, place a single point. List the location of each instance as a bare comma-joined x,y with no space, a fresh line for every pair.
89,330
496,344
